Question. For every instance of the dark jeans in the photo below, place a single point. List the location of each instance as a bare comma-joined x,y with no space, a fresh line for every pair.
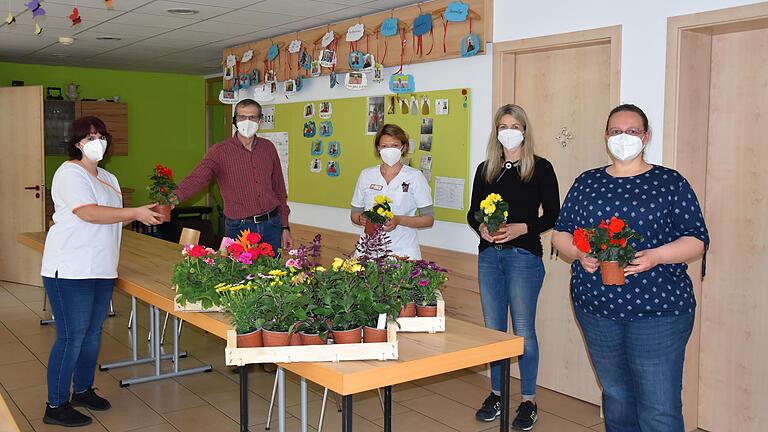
640,367
510,282
79,307
271,230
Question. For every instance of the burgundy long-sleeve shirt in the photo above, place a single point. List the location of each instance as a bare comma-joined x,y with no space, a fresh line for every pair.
251,182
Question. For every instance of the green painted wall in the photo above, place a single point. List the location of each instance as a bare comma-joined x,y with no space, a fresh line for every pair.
166,117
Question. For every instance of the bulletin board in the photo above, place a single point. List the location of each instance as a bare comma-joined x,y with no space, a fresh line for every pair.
449,147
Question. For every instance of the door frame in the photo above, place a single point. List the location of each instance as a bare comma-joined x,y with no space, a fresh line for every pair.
504,56
686,120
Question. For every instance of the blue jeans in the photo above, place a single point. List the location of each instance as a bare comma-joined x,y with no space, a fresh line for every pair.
510,282
79,307
271,230
640,367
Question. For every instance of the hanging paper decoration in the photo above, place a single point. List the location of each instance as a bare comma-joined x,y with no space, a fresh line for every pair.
378,73
470,45
309,110
299,83
227,97
34,7
231,60
389,26
289,87
355,32
334,149
38,29
332,169
245,80
332,79
255,77
328,38
108,4
264,93
314,72
229,72
356,81
326,128
456,12
315,166
369,62
10,19
247,56
326,110
294,46
421,26
401,83
273,52
356,60
305,60
327,58
269,77
75,17
310,129
316,147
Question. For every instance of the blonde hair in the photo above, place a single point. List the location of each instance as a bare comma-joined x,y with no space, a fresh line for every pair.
494,162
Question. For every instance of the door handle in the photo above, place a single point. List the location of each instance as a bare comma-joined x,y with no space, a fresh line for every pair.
36,187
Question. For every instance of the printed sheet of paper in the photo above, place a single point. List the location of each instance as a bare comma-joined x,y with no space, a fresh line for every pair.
268,119
280,140
449,193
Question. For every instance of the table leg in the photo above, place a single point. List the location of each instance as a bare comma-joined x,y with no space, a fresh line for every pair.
388,409
504,420
346,413
243,398
303,404
281,399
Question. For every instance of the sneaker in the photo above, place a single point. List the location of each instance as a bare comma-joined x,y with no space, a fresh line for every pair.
65,415
491,408
90,400
527,414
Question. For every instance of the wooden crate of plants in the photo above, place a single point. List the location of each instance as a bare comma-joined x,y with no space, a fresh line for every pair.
419,324
193,307
235,356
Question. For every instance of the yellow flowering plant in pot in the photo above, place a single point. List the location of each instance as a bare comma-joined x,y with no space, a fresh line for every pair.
379,214
241,301
493,213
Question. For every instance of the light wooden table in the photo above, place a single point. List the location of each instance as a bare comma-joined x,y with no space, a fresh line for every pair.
144,272
7,422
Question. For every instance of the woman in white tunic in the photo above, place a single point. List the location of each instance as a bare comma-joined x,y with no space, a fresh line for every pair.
406,186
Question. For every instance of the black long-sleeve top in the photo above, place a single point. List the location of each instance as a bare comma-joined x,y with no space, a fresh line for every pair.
524,201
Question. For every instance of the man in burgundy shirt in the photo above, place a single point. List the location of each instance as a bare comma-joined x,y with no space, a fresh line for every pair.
250,178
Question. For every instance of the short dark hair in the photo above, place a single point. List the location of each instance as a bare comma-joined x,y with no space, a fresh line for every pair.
80,129
394,131
628,108
246,103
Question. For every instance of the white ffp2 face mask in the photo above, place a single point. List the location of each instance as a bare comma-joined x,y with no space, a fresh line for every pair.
625,147
94,149
510,138
247,128
390,155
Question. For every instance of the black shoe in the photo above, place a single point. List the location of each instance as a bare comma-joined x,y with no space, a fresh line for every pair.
65,415
527,414
491,408
90,400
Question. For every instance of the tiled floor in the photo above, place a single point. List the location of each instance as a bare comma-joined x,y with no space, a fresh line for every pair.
210,401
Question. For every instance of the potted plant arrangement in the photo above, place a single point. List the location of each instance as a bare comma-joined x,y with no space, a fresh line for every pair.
385,301
429,278
240,301
161,191
379,214
609,242
346,298
283,306
493,213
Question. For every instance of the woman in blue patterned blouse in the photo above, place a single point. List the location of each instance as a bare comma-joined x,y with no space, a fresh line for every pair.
636,333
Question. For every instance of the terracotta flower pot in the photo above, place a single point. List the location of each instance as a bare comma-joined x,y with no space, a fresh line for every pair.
273,338
372,334
495,233
612,273
311,339
164,210
347,336
296,339
409,310
369,227
426,311
250,340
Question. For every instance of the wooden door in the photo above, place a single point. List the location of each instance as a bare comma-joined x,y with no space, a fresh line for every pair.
567,90
21,181
733,375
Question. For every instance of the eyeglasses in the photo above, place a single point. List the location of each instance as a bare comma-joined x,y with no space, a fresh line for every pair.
630,131
252,118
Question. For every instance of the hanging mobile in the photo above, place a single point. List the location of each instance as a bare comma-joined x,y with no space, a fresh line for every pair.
470,44
422,25
108,4
10,19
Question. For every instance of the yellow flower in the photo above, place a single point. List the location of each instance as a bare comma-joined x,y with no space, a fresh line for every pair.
387,199
389,214
337,263
277,273
320,268
505,214
380,199
354,268
490,209
380,211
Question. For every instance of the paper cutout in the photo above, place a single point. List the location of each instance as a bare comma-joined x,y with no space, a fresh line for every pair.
227,97
315,166
389,26
470,45
314,71
34,6
299,83
378,73
247,56
255,77
231,60
10,19
328,38
326,128
289,87
244,80
305,60
269,77
326,110
355,32
264,92
356,81
456,12
310,129
332,79
356,60
75,17
401,83
414,106
309,110
294,46
316,147
425,105
422,24
332,168
273,51
441,106
369,61
334,149
327,58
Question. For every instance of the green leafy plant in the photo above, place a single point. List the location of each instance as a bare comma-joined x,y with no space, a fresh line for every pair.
609,241
429,278
381,211
241,303
283,302
196,275
493,212
162,187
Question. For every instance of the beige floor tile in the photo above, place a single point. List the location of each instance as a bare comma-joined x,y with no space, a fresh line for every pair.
18,416
6,335
164,427
407,391
583,413
332,420
7,300
14,352
16,313
368,406
459,390
412,421
201,419
166,396
31,400
448,412
39,426
262,384
599,428
229,404
206,383
130,413
24,374
552,423
27,326
24,292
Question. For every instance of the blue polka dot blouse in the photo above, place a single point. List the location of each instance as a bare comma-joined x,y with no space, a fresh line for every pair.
660,205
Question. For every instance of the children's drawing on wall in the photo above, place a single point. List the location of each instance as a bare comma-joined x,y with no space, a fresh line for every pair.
310,129
332,168
391,109
375,114
326,110
326,128
441,106
316,147
334,149
425,105
315,165
309,110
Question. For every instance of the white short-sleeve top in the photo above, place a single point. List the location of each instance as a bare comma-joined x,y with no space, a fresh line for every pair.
74,248
409,191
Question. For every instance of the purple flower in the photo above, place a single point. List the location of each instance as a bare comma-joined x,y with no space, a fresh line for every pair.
423,282
250,277
415,273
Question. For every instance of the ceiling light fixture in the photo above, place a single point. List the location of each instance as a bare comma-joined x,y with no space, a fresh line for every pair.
109,38
182,11
64,40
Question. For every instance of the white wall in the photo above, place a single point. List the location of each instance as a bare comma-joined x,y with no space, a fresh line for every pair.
644,26
644,40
